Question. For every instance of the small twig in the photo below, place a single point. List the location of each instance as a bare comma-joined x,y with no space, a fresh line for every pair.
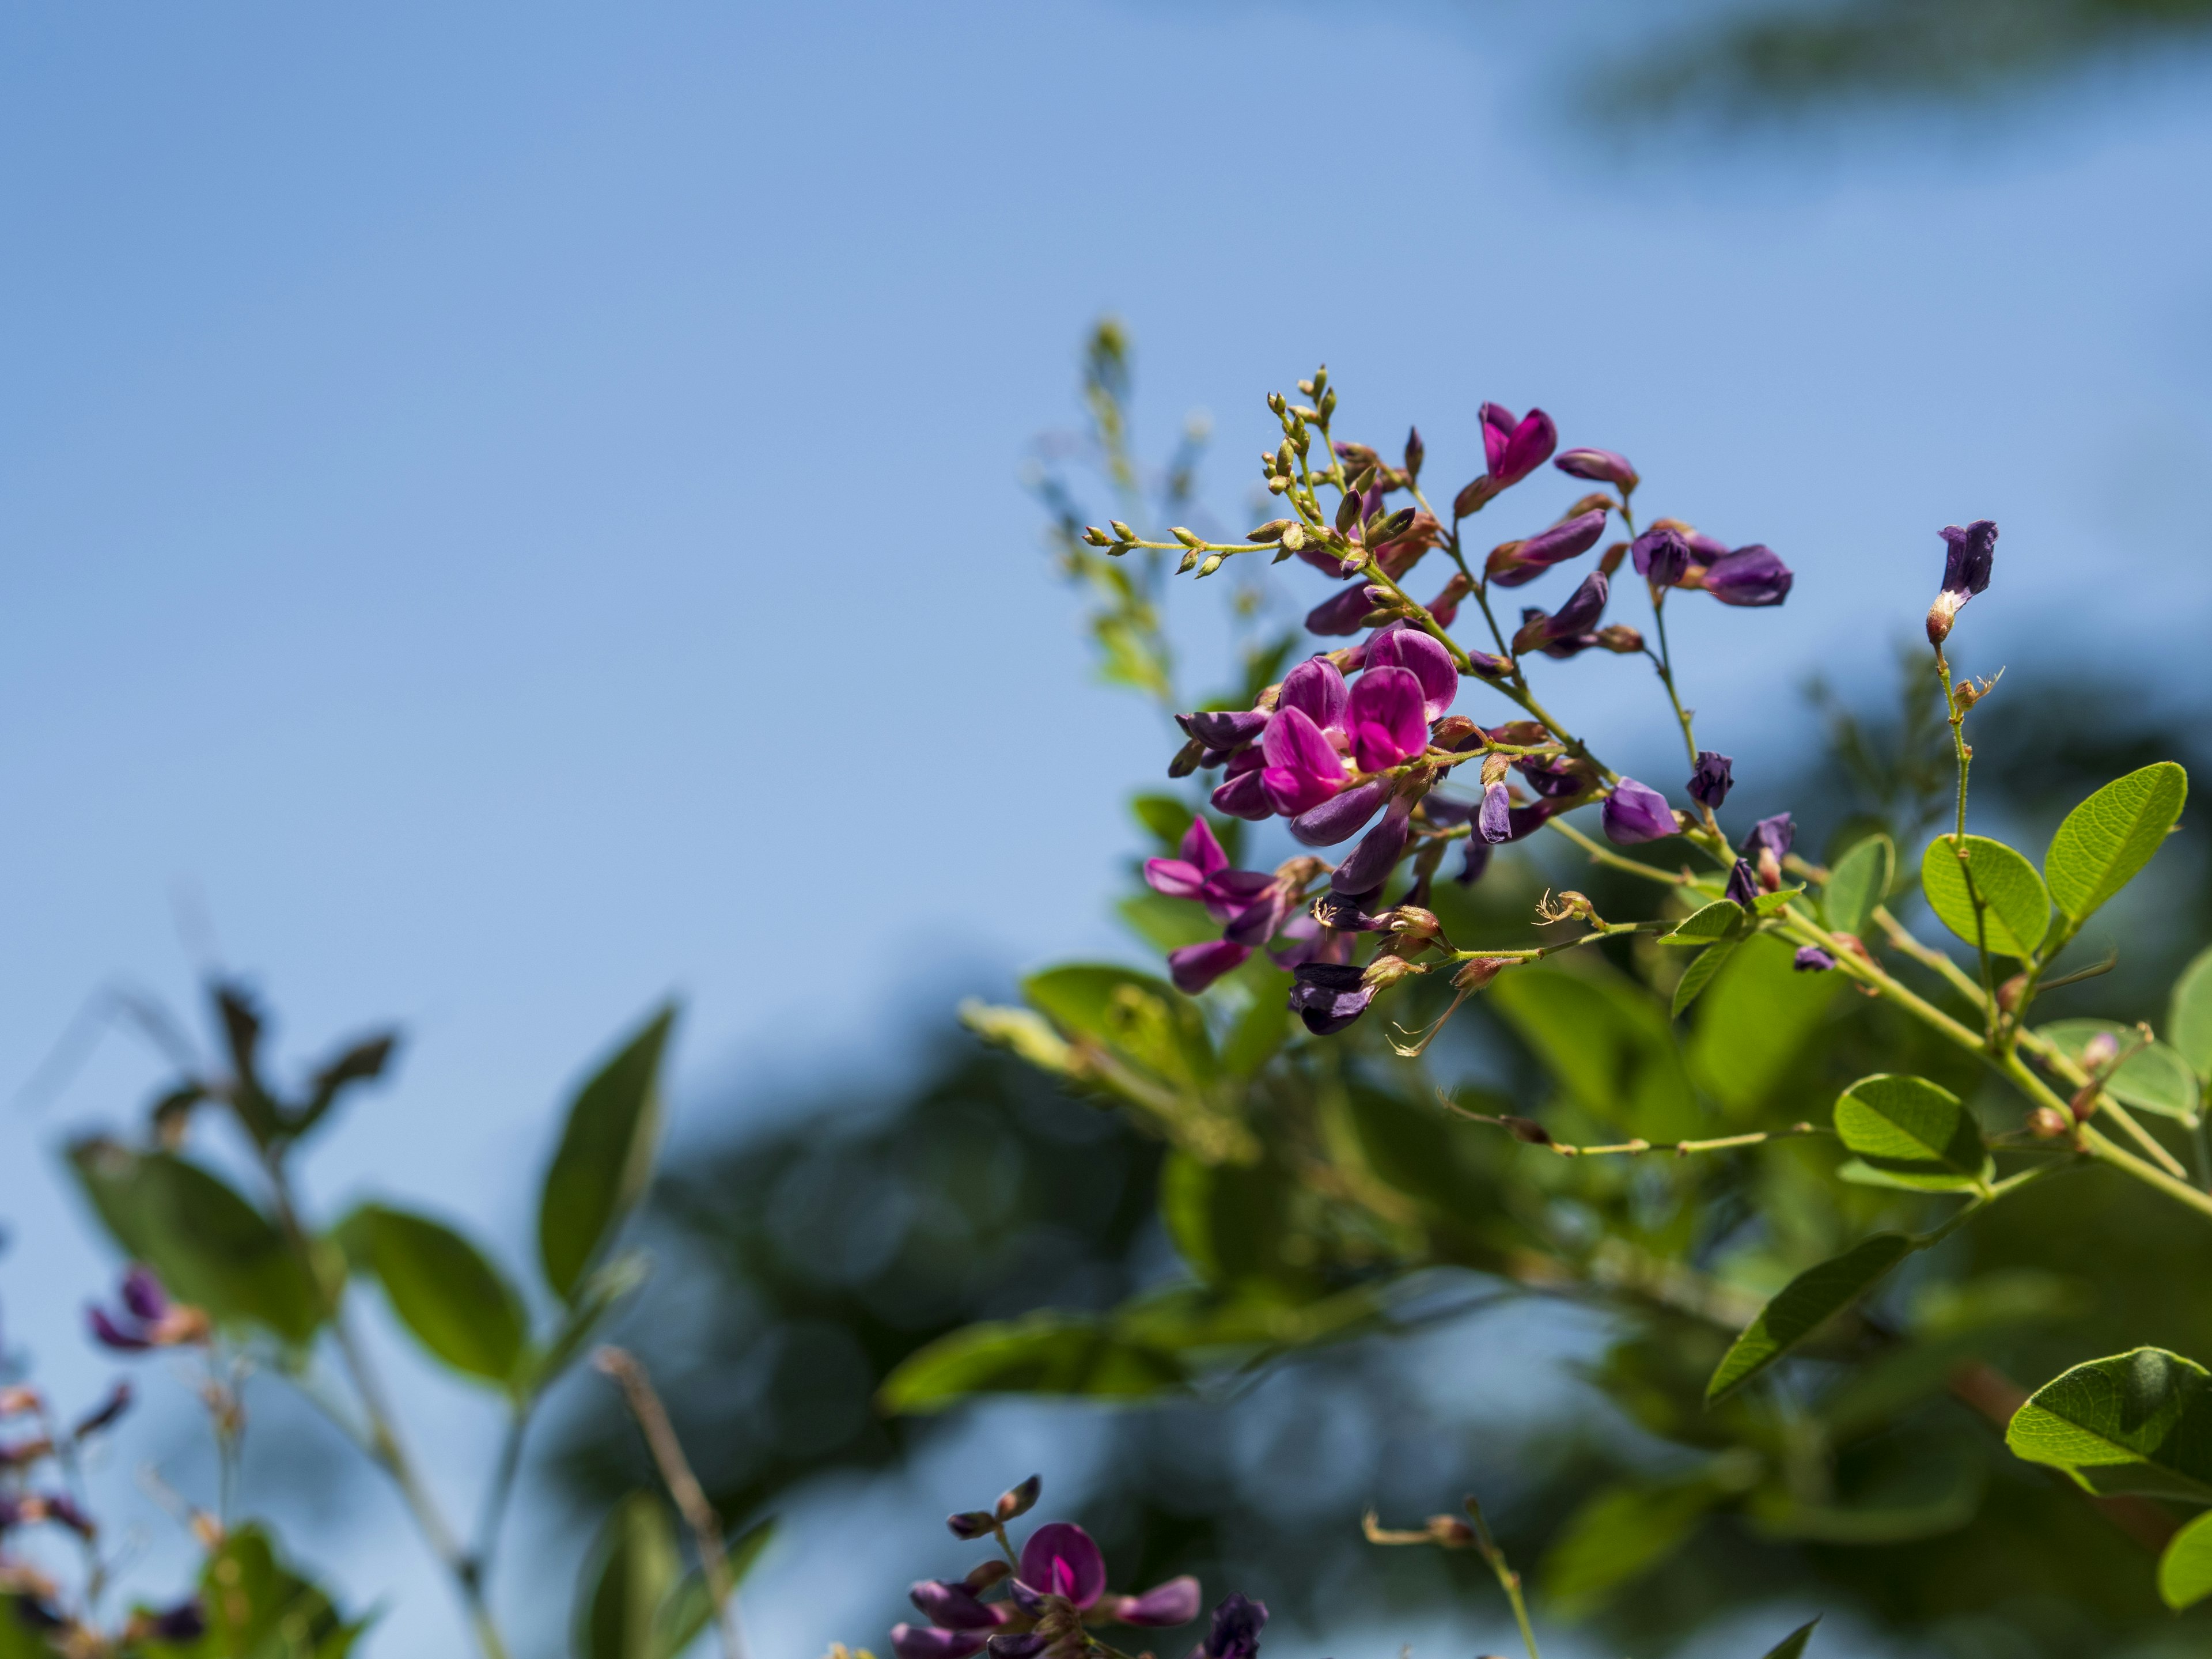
1535,1134
682,1486
1508,1580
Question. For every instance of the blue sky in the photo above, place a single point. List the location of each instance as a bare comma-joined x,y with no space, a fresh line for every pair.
510,511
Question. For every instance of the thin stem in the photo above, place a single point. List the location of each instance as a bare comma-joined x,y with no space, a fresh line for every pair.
1508,1580
1666,666
682,1486
1601,853
2097,1146
494,1516
1522,1129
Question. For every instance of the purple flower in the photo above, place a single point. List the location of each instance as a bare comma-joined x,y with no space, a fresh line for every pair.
1767,844
1968,555
1223,731
1236,1633
1636,813
1386,718
1600,466
1242,794
1661,556
1025,1646
1175,1602
1345,612
184,1622
1493,820
1328,996
1059,1559
1342,817
1377,854
1812,959
1554,775
1194,966
1515,449
1250,905
1709,784
1399,645
954,1607
1750,575
1568,630
927,1642
1477,861
1303,768
1742,883
1514,563
147,1319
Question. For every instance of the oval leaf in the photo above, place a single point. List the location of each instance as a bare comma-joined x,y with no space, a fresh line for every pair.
2016,911
636,1565
2184,1571
1719,920
452,1300
2154,1077
604,1158
2189,1019
1043,1353
2113,834
1859,881
2139,1421
1700,973
1911,1131
1804,1304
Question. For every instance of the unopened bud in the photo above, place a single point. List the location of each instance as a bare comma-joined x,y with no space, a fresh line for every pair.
1388,970
1451,1531
1304,412
1276,402
1186,759
1294,538
1097,537
1278,486
1493,769
1416,452
1189,560
1596,500
2008,992
1121,531
1942,615
1188,537
1307,386
2047,1123
1477,972
2099,1051
1212,563
970,1523
1610,559
1445,606
1620,638
1453,729
1019,1500
1272,531
986,1573
1526,1129
1328,405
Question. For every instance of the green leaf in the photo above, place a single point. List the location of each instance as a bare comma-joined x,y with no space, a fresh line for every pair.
1608,1043
1858,882
1168,924
603,1287
18,1640
1774,903
1618,1536
2155,1078
685,1611
1043,1353
1804,1304
208,1246
2016,911
1913,1133
1413,1147
2189,1019
2113,834
1792,1646
634,1566
2139,1421
1166,816
2185,1570
1700,973
1145,1020
1262,1028
1228,1220
1722,919
258,1608
604,1158
458,1305
1753,1021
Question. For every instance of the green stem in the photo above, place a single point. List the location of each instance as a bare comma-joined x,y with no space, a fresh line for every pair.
1601,853
1665,665
1508,1580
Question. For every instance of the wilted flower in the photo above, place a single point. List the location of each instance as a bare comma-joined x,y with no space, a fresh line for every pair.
1600,466
1749,576
147,1319
1636,813
1328,996
1235,1634
1767,844
1515,563
1709,784
1661,556
1968,554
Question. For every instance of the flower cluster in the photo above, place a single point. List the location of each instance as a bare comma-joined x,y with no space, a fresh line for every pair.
1044,1602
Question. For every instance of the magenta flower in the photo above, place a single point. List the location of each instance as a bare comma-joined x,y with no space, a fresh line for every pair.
1347,611
1599,466
1709,784
927,1642
1400,645
147,1319
1750,576
1194,967
1175,1602
1969,553
1242,795
1250,903
1516,564
1059,1559
1387,719
1514,448
1636,813
1303,768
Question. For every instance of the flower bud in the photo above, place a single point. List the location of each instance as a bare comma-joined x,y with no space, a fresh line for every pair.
1812,959
2008,992
1709,784
970,1523
2047,1123
1416,452
2099,1053
1621,639
986,1573
1609,561
1389,970
1121,531
1018,1500
1600,465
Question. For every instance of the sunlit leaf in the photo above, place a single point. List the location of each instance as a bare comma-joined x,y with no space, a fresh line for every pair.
604,1158
1044,1353
1753,1020
1858,882
2113,835
2154,1077
2139,1421
1912,1131
1722,919
1700,973
455,1303
1144,1019
2016,911
2184,1568
1804,1304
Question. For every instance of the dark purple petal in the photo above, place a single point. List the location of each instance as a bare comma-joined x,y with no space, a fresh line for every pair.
1399,645
1812,959
1377,855
1194,966
1257,922
1059,1559
184,1622
1224,728
1237,1622
1346,612
1563,541
1446,811
970,1523
1346,913
1709,784
1483,663
1776,835
1598,466
1244,796
1742,883
144,1295
1582,609
1524,821
1340,817
1174,878
1492,820
1175,1602
1515,449
1023,1646
1661,555
1315,689
954,1606
109,1334
1328,996
1498,424
925,1641
1477,861
1750,576
1386,718
1554,776
1969,553
1636,813
1201,849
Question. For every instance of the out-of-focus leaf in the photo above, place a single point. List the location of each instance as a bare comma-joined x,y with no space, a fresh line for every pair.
1165,817
1044,1353
241,1030
604,1289
1792,1646
2154,1077
685,1611
1858,882
1420,1152
1263,1027
1929,1495
2015,910
1700,973
1168,924
357,1064
1226,1220
2184,1566
1618,1536
604,1158
1722,919
1912,1132
207,1244
1145,1020
1754,1019
1804,1304
258,1608
633,1565
1608,1043
455,1302
2139,1421
2189,1019
2105,840
17,1639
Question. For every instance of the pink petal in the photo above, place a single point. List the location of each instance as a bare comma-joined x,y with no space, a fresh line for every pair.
1059,1557
1386,714
1175,1602
1296,744
1199,848
1174,878
1315,689
1400,646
